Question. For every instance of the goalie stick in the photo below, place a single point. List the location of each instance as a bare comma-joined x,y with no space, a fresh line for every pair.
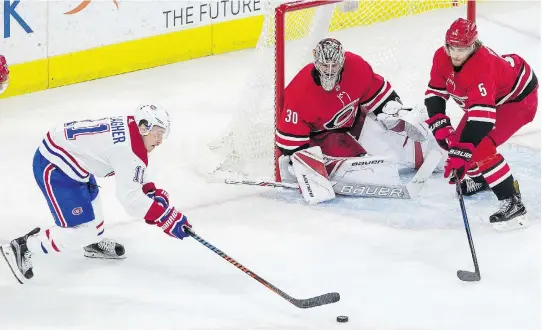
324,299
399,191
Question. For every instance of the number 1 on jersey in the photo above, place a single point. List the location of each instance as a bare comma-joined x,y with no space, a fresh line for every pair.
71,132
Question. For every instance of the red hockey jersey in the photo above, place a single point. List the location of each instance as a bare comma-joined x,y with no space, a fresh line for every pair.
485,81
309,109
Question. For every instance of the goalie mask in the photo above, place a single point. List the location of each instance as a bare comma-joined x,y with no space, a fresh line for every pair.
153,115
328,61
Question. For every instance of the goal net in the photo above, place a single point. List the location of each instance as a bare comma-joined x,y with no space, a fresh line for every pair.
398,39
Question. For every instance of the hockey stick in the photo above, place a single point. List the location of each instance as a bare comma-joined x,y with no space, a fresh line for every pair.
465,275
399,191
324,299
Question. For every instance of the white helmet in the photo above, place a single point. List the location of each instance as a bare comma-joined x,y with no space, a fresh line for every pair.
153,114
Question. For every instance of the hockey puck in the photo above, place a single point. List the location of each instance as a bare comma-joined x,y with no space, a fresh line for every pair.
342,319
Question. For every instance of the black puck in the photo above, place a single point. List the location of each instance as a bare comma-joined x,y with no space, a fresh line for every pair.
342,319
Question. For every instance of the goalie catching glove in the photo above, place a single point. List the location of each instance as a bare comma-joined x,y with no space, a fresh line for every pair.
398,118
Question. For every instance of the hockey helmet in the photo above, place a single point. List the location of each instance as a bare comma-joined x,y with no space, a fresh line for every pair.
462,33
153,115
328,61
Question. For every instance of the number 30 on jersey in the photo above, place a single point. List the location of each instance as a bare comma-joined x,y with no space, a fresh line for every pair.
291,116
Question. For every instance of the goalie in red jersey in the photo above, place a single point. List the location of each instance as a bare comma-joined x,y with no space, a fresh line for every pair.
499,96
325,107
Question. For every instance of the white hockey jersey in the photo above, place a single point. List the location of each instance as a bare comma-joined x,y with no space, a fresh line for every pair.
103,147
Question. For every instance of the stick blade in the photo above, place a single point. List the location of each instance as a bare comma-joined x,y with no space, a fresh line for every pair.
328,298
467,276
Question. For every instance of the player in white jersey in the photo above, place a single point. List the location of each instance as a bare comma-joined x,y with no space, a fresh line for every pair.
65,166
4,74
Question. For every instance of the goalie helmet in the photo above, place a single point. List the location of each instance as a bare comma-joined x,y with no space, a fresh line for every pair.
328,61
152,115
462,33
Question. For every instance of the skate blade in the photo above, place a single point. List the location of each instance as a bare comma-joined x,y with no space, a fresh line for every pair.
519,222
95,255
12,263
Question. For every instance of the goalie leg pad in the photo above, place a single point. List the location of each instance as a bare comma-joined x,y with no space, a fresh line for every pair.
363,170
311,174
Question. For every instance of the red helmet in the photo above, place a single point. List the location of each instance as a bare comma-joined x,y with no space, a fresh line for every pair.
462,33
4,71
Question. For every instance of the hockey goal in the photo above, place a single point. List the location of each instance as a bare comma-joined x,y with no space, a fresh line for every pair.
398,38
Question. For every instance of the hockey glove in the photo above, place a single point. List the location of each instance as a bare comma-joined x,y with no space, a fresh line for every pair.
391,115
159,195
458,157
173,223
442,129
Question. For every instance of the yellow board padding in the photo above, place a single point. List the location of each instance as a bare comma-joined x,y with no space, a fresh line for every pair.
129,56
237,34
374,11
183,45
27,78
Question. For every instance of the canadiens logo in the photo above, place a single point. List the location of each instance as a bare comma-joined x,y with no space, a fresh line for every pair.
77,211
343,118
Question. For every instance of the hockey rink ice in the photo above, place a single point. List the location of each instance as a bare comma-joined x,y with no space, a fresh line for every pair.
393,262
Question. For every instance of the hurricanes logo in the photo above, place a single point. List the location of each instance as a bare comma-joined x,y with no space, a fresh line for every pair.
459,100
343,118
84,5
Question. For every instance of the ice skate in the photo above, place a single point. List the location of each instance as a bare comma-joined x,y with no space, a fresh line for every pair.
105,249
19,258
511,213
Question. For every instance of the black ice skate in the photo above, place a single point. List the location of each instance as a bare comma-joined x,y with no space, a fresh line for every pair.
105,249
470,187
511,213
19,258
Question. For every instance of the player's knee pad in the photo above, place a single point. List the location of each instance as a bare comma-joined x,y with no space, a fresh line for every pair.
338,144
484,151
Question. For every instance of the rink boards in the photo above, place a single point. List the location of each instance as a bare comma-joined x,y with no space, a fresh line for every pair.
50,44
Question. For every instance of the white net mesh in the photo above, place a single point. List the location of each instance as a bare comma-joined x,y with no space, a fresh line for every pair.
398,39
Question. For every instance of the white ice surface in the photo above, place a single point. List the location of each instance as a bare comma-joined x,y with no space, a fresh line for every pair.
393,262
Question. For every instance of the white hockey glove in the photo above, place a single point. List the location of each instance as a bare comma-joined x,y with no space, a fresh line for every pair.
398,118
311,174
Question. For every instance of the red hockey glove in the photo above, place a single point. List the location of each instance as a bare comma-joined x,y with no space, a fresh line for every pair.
442,129
173,223
458,157
159,195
